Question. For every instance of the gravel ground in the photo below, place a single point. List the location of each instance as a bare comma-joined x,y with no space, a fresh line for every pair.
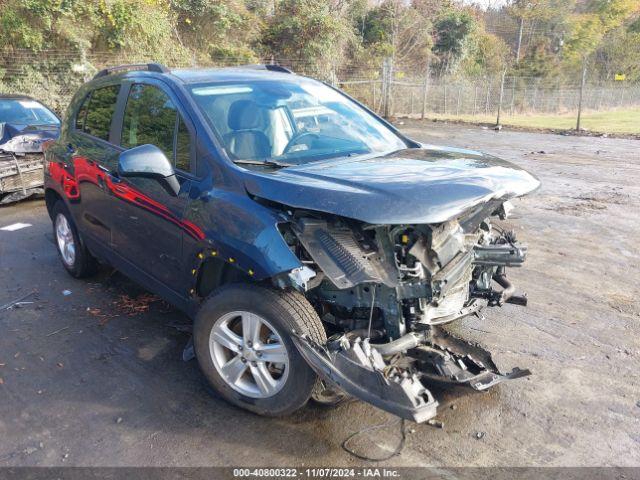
89,380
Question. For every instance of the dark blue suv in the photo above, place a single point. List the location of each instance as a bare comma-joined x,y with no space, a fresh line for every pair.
320,252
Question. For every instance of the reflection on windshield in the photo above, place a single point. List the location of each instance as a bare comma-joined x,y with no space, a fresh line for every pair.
287,123
25,112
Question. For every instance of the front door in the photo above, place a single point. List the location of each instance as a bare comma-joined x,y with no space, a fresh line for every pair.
150,225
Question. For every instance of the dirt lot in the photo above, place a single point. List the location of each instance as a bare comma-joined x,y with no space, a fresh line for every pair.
87,380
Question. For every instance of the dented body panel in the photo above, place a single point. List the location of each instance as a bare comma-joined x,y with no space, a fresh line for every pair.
414,186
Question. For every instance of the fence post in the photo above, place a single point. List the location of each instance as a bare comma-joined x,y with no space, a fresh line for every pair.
445,98
486,104
373,94
475,98
83,59
425,90
334,77
387,79
582,82
411,99
383,86
513,94
504,74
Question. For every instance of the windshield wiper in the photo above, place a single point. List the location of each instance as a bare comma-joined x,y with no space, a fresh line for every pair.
267,163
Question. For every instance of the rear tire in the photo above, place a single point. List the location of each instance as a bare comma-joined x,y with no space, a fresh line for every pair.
237,367
74,255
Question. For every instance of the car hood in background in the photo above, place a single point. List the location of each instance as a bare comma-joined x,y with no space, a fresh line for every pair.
413,186
18,138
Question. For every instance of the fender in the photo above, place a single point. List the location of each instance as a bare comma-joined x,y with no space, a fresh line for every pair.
241,232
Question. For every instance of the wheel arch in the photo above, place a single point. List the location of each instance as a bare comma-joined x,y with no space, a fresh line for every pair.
51,197
215,272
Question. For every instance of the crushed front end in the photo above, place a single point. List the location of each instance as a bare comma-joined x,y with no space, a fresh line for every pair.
22,161
385,294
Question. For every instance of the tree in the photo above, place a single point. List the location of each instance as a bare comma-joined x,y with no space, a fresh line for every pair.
220,30
485,54
527,11
310,34
399,30
452,32
589,27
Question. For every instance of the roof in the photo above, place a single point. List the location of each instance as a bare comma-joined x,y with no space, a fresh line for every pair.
197,75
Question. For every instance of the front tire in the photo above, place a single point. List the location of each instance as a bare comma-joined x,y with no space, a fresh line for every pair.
75,256
244,348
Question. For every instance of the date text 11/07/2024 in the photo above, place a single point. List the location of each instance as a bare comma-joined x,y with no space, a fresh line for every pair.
316,473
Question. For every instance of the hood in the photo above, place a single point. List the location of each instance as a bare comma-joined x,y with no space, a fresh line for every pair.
19,138
413,186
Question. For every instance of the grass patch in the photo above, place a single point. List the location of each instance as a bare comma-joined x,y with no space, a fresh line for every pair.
614,121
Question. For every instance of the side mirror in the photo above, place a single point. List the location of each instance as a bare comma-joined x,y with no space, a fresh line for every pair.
150,162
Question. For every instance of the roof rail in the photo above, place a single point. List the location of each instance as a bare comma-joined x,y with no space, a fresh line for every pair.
272,67
150,67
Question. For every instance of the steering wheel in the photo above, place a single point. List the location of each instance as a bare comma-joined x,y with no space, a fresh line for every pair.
299,139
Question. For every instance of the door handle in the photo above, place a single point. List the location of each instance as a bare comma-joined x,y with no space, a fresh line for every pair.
114,177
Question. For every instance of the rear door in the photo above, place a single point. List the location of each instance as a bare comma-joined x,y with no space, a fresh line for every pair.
150,233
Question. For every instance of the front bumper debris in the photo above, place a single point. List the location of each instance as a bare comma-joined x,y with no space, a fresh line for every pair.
361,371
451,360
396,383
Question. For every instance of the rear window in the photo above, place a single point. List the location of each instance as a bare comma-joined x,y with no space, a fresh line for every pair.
99,112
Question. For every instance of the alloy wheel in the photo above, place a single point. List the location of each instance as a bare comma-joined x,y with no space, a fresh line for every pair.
64,237
249,354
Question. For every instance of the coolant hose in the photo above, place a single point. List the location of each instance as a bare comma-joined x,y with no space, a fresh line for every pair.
508,289
401,344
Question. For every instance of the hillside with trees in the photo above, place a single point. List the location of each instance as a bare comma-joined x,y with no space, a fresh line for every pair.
534,37
437,58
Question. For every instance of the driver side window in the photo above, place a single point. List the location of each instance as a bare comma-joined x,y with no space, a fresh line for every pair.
150,117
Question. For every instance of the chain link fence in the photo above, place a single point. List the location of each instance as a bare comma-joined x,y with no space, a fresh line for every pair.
53,77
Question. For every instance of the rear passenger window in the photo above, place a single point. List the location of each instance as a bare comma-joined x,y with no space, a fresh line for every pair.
81,115
102,104
150,117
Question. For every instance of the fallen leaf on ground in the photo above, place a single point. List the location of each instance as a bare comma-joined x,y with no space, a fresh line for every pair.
133,306
104,318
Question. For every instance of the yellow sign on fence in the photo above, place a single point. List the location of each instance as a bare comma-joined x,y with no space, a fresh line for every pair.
620,77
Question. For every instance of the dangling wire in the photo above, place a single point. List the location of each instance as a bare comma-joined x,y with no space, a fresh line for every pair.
397,451
373,301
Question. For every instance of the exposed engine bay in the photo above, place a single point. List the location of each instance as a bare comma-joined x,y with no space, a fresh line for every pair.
384,294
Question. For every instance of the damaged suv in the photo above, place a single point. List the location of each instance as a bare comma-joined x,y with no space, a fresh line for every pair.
25,126
319,251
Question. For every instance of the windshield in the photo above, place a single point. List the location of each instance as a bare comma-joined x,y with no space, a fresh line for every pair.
290,123
26,112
